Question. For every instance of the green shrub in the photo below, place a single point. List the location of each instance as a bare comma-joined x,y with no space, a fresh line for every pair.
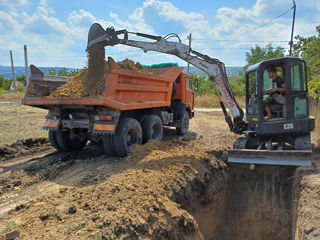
63,72
5,83
205,86
21,88
2,90
21,78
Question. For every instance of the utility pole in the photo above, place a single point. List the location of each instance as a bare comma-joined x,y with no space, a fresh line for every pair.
293,18
26,64
189,38
13,77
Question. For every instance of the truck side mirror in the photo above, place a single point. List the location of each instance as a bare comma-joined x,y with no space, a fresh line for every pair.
196,85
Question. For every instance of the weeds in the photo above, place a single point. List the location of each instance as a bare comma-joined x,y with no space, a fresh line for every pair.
212,101
104,237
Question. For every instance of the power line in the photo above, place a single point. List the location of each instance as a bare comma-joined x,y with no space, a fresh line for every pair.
248,31
261,25
243,41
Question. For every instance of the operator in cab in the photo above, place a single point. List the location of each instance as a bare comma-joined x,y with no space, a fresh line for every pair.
277,92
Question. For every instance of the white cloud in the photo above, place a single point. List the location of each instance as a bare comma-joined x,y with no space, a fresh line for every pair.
81,17
13,3
55,39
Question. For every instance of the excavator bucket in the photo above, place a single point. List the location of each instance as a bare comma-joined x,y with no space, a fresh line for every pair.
97,35
271,157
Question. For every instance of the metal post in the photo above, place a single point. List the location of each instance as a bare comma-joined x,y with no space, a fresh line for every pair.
26,64
293,18
13,77
189,38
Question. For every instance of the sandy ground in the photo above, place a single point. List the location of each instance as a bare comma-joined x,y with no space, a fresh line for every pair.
154,193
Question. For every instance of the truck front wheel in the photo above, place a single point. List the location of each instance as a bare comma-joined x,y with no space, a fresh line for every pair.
183,128
128,132
71,140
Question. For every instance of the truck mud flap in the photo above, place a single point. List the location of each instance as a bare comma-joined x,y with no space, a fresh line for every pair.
274,157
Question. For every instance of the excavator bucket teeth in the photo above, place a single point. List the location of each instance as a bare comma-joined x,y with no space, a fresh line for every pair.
274,157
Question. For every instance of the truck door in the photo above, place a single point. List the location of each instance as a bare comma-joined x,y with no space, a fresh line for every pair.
189,93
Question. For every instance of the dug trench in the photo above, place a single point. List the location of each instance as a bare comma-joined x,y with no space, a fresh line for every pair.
181,188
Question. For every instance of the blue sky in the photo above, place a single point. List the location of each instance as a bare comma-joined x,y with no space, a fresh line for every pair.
55,31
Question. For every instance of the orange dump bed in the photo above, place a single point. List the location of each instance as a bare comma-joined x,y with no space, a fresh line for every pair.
123,89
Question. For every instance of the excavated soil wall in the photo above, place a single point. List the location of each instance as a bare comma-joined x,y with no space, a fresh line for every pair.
251,204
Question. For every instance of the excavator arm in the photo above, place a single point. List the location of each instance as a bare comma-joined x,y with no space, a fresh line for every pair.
213,67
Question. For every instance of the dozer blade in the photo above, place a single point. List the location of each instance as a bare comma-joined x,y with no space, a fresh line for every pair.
271,157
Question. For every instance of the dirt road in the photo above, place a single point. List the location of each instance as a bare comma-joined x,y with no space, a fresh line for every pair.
180,188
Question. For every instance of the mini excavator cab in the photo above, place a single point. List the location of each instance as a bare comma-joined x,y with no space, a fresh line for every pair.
290,125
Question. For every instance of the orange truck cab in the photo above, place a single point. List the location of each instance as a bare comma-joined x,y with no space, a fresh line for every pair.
132,108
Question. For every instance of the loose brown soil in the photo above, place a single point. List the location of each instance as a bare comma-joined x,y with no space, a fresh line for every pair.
307,202
23,147
180,188
89,82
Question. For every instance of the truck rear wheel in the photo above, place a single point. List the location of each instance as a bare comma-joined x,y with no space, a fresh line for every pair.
152,128
71,140
128,132
183,129
53,140
108,145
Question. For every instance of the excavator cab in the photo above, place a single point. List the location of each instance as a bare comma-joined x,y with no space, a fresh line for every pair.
284,139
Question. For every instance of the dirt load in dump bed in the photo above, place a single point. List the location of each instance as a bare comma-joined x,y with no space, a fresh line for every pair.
89,81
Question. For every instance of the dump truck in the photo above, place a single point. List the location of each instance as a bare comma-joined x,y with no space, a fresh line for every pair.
132,108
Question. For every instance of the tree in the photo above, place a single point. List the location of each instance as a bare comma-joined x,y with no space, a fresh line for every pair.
21,78
63,72
205,86
258,54
309,50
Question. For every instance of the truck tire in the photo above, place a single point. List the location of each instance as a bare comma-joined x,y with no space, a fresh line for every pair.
183,129
68,143
128,132
152,128
108,145
53,140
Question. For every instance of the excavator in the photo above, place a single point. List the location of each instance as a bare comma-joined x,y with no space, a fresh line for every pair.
283,139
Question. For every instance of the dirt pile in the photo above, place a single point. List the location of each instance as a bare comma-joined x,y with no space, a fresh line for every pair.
22,147
89,82
131,65
132,198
